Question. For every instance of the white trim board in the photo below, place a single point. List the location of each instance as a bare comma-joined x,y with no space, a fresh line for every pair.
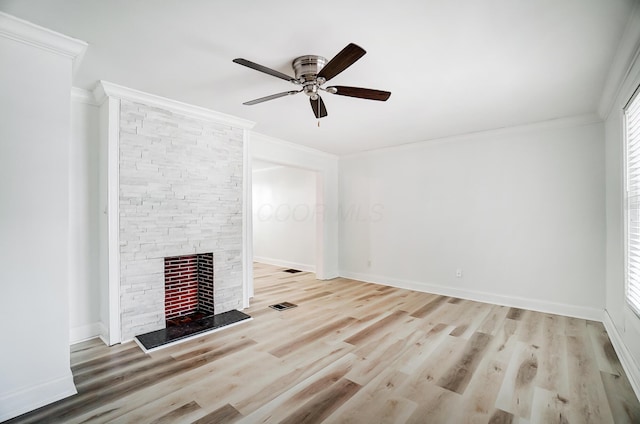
247,221
31,398
85,332
111,129
284,264
626,358
593,314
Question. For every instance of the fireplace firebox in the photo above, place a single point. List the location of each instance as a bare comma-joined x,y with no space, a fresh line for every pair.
188,287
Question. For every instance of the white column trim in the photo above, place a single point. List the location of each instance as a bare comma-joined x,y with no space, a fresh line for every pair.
113,217
247,222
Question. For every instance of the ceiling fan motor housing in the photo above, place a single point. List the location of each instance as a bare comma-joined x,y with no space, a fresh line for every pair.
308,67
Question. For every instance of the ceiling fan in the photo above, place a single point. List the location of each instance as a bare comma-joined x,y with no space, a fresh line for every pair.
311,72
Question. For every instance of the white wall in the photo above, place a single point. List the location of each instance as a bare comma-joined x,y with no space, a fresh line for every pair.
519,211
284,212
622,324
84,214
35,82
326,167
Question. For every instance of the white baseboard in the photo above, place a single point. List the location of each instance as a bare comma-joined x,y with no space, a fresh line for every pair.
626,358
285,264
594,314
27,399
85,332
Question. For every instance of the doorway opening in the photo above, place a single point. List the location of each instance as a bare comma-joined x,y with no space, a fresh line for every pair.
287,219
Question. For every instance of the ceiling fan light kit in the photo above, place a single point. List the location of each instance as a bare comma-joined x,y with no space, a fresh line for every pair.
311,72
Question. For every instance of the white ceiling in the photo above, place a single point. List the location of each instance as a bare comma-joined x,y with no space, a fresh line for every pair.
453,67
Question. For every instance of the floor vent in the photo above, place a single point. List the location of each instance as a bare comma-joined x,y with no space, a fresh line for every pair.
282,306
292,271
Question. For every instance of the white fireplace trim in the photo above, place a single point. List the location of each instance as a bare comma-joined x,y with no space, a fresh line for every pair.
247,222
113,217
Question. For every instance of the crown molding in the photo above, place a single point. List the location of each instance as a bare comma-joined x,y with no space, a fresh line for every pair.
551,124
105,89
626,55
83,96
34,35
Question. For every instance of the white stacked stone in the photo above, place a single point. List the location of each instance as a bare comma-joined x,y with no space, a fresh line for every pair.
180,193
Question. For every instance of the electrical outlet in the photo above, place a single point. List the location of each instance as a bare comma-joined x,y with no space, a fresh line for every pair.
459,273
369,263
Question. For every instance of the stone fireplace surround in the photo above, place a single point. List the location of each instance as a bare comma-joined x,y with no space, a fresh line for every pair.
180,193
175,185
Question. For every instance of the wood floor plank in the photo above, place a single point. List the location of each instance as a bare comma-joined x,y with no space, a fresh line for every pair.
257,395
429,307
423,346
586,385
356,352
179,414
515,313
224,415
280,407
434,406
494,320
549,407
372,331
376,402
516,393
552,366
443,357
201,385
459,374
501,417
624,405
322,405
305,339
375,358
478,402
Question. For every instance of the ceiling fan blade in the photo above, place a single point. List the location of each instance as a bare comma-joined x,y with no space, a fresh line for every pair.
318,107
347,57
362,93
271,97
258,67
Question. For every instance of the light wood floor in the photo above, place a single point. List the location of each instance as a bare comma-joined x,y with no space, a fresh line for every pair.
353,352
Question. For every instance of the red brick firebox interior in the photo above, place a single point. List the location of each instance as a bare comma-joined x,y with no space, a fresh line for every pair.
188,285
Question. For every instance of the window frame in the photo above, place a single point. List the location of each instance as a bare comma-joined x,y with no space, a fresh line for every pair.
635,96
